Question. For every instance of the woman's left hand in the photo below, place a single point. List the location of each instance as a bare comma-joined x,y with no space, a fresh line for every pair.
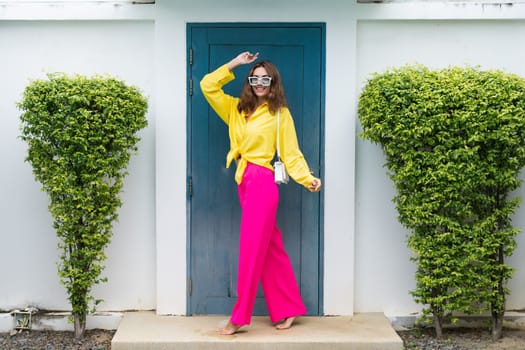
315,186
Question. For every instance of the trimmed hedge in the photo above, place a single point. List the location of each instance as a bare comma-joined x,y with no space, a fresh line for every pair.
81,133
454,141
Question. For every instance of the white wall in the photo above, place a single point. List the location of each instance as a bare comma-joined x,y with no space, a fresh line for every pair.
28,260
366,261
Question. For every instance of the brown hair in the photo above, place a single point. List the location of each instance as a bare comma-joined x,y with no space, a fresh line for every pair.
275,98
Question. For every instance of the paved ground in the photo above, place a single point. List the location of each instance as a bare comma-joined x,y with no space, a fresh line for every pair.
145,330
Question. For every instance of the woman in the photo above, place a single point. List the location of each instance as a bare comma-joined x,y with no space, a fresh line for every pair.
252,123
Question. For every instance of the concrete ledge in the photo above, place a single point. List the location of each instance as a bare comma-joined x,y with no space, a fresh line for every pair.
6,322
59,321
145,330
512,320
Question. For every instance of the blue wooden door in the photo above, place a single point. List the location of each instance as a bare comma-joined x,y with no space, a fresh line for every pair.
214,212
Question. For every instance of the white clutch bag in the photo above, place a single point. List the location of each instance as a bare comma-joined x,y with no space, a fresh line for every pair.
279,170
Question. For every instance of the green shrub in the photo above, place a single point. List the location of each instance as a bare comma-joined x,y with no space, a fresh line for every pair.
80,134
454,141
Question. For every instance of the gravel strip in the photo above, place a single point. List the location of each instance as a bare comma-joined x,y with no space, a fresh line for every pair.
51,340
462,339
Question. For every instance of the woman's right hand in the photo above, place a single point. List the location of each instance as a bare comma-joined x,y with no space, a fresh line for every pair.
243,58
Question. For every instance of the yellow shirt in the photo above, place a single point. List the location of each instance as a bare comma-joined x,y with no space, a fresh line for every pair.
254,140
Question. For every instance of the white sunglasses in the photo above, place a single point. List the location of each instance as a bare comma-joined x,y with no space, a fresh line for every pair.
255,80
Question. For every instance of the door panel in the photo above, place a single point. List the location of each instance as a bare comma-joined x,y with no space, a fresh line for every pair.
214,212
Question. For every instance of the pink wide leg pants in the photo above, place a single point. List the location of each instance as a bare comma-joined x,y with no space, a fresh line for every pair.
262,257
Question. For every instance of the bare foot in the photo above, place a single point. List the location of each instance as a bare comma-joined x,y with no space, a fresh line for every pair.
286,323
229,329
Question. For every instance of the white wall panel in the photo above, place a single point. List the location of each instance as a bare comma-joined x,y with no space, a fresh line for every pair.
29,50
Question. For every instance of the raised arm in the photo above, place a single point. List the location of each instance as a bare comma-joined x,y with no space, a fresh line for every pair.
212,83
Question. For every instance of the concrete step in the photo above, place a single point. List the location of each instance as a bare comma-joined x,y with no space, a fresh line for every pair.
146,330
